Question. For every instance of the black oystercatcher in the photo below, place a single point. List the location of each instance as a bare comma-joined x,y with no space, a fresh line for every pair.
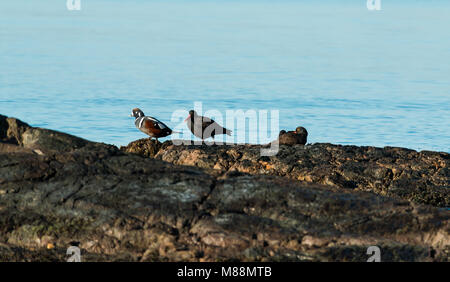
204,127
150,125
299,136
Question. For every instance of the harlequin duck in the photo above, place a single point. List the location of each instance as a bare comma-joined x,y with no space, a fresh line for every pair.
299,136
150,125
204,127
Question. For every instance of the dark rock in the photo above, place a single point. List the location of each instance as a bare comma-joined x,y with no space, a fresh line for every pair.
145,147
11,130
119,206
40,140
422,177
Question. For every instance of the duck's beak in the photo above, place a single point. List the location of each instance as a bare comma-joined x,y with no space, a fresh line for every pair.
187,118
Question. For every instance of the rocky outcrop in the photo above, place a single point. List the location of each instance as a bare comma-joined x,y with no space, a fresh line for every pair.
422,177
119,206
14,132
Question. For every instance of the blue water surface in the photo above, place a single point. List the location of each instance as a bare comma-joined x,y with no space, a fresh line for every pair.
347,74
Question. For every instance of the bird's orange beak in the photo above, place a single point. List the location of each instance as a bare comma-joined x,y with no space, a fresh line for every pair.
187,118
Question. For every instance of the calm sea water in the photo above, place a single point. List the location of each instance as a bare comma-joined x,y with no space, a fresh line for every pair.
349,75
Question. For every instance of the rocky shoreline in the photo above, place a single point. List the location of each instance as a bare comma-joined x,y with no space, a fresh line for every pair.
153,201
422,177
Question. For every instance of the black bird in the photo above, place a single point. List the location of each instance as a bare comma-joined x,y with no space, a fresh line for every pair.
299,136
204,127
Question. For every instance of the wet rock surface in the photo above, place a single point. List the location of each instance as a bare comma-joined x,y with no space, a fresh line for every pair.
119,206
422,177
